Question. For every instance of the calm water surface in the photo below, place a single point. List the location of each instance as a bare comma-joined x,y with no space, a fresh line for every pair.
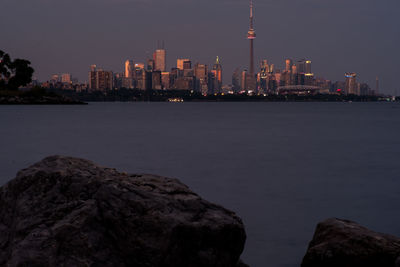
282,167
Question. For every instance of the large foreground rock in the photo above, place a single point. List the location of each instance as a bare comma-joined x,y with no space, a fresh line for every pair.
70,212
342,243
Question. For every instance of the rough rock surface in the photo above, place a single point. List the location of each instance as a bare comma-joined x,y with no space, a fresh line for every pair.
66,211
345,243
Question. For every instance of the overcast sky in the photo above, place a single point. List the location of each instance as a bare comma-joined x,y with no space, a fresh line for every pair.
66,36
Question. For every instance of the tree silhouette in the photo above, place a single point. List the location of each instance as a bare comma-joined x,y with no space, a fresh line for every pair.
14,74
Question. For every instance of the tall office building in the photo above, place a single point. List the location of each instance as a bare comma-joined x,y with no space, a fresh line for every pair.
156,81
100,80
236,80
104,80
201,74
129,68
180,63
351,83
166,80
289,64
308,67
294,69
92,77
55,78
243,80
139,66
217,71
159,57
301,66
66,78
262,77
151,65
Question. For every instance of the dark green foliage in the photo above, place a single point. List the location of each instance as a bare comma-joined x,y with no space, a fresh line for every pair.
14,74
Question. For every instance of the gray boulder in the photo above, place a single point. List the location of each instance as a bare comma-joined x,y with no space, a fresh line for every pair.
345,243
65,211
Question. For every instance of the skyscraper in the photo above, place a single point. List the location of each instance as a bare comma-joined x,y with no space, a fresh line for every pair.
165,80
66,78
236,80
351,83
243,80
301,66
129,68
217,71
251,35
289,64
92,77
201,74
100,79
308,67
159,57
180,62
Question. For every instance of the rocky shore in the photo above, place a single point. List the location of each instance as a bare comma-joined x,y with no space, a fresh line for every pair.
40,100
65,211
343,243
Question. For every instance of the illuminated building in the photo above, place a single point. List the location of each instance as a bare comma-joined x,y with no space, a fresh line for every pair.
156,81
129,69
66,78
308,79
180,63
294,69
104,80
159,57
271,68
100,79
139,66
144,79
289,64
188,72
243,84
187,64
351,83
92,77
262,78
217,71
165,80
308,66
184,83
201,74
55,78
150,65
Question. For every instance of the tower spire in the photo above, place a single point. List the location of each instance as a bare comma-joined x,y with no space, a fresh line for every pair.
251,35
251,15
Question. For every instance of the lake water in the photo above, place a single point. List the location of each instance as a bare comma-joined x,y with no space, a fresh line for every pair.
283,167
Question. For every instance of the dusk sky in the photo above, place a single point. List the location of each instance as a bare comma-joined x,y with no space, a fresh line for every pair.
66,36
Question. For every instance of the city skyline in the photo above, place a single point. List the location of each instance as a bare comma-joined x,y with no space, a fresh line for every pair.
346,41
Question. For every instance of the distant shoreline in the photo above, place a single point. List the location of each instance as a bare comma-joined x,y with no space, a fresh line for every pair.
45,100
133,95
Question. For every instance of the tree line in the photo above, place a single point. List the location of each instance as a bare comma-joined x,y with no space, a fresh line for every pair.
14,73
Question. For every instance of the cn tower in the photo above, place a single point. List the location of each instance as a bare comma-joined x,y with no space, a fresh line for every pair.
251,35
